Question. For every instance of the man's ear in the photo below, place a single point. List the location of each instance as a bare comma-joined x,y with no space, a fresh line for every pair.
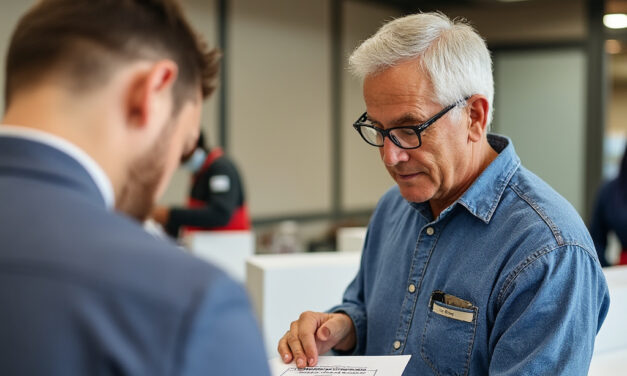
478,108
150,92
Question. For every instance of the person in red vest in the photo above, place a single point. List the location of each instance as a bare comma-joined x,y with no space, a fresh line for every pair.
216,199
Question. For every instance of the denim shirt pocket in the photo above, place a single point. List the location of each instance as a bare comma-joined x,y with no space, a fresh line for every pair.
448,338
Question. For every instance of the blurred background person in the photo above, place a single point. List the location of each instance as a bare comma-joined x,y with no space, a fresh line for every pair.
216,200
610,215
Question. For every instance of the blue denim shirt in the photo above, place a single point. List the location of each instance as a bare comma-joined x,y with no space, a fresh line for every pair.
505,281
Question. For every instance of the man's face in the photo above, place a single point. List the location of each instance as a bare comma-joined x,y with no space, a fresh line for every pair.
150,174
403,95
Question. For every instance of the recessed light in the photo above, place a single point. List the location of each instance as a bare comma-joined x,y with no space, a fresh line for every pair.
615,20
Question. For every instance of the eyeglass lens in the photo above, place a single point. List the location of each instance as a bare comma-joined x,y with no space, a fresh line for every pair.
404,137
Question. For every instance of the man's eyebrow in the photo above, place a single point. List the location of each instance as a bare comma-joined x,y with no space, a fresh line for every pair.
373,121
405,119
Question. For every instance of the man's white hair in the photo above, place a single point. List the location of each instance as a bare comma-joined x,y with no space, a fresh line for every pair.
452,53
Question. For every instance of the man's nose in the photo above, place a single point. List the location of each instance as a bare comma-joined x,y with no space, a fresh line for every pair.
392,154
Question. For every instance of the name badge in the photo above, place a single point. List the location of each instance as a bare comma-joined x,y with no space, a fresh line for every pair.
451,306
220,183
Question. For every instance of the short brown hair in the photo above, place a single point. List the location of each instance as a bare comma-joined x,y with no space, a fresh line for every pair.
85,39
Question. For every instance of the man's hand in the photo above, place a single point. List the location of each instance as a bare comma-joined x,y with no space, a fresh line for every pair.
316,333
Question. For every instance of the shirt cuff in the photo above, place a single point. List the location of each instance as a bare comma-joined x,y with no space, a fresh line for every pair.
358,316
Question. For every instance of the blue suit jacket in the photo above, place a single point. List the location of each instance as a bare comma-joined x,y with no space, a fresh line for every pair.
85,291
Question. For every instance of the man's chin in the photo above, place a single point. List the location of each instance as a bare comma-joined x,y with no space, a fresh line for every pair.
415,194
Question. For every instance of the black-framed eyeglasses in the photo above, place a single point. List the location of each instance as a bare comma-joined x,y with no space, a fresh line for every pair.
406,137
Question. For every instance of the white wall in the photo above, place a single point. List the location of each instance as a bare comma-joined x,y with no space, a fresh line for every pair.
202,15
10,13
540,104
279,107
364,177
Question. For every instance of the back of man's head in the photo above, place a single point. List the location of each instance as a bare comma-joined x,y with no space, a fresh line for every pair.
79,43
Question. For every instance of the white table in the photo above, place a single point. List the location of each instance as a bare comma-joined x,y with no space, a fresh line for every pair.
283,286
610,347
228,250
351,239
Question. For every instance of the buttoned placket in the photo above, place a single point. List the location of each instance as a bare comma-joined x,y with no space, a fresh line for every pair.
427,241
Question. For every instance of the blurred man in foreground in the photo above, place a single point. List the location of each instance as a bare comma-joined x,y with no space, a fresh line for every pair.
472,264
102,100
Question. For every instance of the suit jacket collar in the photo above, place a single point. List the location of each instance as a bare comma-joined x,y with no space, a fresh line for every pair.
35,160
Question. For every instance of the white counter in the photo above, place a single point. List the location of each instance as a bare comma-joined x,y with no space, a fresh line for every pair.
284,286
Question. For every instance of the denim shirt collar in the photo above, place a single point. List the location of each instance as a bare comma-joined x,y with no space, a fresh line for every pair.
483,196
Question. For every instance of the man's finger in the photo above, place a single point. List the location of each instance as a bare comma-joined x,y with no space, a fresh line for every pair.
295,346
308,342
333,330
336,332
284,349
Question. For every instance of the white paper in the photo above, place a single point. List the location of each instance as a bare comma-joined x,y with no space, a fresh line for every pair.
392,365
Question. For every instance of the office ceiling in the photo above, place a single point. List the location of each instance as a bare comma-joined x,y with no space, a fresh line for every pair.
413,5
617,49
616,45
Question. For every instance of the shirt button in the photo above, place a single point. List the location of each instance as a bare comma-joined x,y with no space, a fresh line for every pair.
397,345
412,288
430,231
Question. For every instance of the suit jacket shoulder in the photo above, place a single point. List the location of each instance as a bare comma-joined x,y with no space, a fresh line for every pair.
86,291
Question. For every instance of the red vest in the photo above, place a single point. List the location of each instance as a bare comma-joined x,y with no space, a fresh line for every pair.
240,219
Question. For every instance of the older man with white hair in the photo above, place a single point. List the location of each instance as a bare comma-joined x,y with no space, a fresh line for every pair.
472,264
